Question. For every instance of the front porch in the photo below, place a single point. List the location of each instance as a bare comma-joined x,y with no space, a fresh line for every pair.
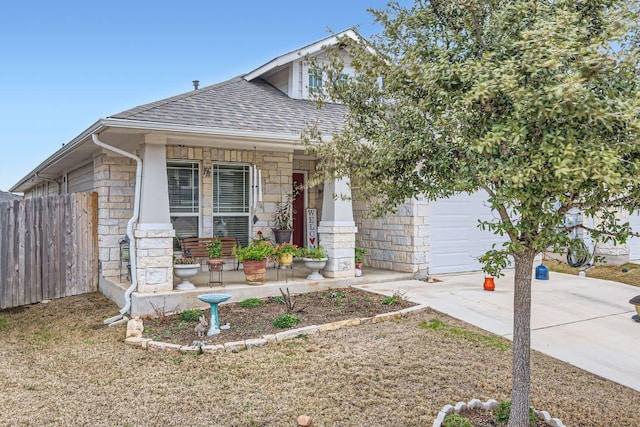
143,304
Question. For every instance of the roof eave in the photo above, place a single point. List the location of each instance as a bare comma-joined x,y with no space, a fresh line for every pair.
285,140
300,53
204,130
55,157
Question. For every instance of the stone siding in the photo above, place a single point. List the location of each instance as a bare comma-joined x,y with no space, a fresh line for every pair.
276,167
114,181
398,241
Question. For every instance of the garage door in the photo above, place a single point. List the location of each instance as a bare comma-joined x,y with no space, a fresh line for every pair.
456,241
634,242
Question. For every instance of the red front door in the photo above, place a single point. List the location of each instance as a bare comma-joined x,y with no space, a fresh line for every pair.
298,209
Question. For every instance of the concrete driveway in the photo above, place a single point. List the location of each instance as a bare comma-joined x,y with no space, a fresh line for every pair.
585,322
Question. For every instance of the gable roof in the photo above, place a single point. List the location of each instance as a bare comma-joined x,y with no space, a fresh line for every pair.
310,49
240,105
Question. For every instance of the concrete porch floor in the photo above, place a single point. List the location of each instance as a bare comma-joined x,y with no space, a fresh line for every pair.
143,304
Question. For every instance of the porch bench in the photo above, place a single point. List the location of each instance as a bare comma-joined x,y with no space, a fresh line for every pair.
196,247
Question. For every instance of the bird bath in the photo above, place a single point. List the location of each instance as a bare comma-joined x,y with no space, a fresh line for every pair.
214,320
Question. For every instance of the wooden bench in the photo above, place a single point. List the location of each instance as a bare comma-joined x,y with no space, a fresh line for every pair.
196,247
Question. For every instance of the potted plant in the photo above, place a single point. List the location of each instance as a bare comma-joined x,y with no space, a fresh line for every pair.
254,260
283,216
185,268
284,253
315,258
359,253
214,249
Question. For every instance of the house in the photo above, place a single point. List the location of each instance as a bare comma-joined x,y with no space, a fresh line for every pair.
216,160
5,197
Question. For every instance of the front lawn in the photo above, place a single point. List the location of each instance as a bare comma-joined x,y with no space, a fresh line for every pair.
61,366
628,273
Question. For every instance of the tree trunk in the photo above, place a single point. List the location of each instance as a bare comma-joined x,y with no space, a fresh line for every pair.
521,376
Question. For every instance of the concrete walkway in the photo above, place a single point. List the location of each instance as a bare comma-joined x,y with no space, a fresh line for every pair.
585,322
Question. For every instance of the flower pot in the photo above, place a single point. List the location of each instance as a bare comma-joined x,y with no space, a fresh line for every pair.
285,260
282,236
185,272
315,265
255,271
215,264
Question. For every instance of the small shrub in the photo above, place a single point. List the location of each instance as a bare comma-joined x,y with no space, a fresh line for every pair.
250,303
190,315
394,299
286,321
504,408
455,420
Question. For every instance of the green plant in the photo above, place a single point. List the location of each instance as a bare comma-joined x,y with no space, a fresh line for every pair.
191,315
359,253
394,299
184,261
254,251
214,248
456,420
4,322
286,321
250,303
285,248
313,252
283,213
501,413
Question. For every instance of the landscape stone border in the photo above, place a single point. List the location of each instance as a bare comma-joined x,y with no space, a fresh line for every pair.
235,346
489,405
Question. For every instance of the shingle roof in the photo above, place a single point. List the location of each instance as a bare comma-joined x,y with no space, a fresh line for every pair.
239,105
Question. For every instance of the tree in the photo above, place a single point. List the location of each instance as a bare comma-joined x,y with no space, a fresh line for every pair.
535,102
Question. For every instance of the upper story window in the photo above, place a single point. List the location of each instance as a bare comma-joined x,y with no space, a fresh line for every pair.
315,80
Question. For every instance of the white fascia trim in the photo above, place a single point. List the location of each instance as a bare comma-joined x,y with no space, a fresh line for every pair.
204,130
60,154
300,53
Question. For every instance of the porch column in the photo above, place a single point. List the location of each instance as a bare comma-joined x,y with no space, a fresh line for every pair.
154,233
337,229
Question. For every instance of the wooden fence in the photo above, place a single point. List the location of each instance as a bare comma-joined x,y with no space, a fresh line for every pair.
48,248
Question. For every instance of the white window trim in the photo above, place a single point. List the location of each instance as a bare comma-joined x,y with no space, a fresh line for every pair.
190,214
248,214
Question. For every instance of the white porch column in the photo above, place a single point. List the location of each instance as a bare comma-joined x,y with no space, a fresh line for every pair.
154,232
337,229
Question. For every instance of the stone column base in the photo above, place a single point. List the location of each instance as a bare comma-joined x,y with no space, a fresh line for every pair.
154,257
339,240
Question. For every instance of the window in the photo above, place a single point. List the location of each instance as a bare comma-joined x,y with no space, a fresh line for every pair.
315,80
184,198
231,204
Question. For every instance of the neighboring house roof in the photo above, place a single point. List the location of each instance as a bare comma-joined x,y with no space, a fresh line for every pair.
238,104
4,196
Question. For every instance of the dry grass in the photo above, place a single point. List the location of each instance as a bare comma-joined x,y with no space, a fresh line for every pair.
59,367
627,273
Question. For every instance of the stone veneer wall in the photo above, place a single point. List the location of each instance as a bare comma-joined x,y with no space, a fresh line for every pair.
114,181
114,178
398,241
276,167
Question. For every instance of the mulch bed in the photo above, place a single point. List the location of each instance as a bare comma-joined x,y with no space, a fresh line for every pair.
480,418
312,308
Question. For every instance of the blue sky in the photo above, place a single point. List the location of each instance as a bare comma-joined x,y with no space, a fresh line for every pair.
64,64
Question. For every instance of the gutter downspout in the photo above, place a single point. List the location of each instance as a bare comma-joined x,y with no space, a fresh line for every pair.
132,241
